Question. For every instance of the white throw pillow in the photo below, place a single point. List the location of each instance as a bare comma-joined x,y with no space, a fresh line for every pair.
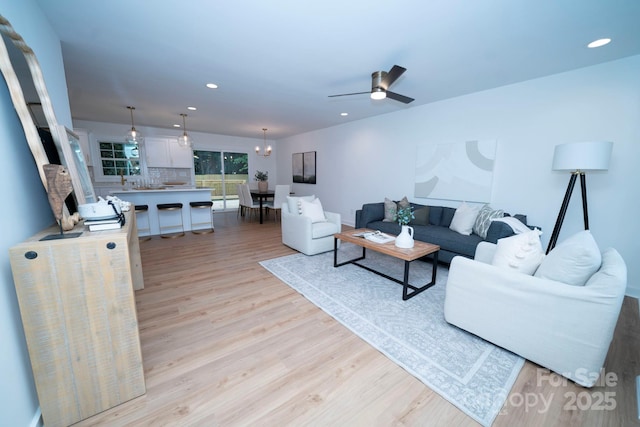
521,252
312,210
573,261
294,206
464,218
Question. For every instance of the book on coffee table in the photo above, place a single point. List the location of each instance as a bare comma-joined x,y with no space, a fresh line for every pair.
376,236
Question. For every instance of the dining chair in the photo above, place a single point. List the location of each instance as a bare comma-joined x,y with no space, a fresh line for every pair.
241,202
248,200
279,197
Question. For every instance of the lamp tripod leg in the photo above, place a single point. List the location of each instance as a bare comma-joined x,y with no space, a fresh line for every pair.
563,211
583,185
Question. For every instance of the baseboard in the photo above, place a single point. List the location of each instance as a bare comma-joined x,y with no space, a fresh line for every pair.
633,292
37,419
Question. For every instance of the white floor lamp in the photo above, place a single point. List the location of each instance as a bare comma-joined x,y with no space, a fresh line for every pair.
578,157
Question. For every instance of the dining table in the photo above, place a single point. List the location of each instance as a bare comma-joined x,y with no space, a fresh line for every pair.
262,196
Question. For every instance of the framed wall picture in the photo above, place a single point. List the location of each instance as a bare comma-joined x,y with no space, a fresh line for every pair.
303,167
297,167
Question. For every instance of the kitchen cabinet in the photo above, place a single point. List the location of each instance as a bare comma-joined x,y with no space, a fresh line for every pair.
166,153
76,298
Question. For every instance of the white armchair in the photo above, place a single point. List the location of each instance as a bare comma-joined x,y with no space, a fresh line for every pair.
299,233
565,328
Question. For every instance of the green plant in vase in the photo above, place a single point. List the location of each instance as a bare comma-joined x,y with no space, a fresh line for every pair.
405,238
263,180
405,215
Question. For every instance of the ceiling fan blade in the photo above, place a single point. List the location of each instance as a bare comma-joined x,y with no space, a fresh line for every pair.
398,97
392,76
347,94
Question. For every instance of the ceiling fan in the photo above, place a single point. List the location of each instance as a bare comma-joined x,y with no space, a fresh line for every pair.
380,82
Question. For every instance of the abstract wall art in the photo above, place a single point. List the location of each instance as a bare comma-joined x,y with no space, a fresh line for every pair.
458,171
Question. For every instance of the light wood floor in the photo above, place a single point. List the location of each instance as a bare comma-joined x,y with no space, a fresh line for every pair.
225,343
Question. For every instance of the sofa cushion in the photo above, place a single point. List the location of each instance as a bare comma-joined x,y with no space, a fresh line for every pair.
371,212
464,218
522,252
324,229
312,210
573,261
484,218
447,239
447,216
435,215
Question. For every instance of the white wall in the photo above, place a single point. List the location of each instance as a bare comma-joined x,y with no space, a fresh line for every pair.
202,141
25,210
367,160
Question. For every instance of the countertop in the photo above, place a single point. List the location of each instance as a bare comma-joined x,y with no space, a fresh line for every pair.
159,190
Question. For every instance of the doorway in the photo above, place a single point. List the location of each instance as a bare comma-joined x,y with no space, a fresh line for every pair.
221,171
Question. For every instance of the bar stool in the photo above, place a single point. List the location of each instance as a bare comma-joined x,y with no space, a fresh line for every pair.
142,212
163,209
201,205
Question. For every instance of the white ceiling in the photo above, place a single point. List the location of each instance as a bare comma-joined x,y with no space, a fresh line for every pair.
277,61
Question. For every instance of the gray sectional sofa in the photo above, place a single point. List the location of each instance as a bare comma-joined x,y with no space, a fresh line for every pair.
437,230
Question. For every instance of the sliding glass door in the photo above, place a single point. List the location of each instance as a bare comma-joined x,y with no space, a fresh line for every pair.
221,171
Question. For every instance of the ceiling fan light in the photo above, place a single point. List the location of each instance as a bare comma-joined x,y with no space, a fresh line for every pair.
378,94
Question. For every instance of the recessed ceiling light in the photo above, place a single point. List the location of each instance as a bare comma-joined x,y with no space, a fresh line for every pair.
212,86
344,114
176,125
192,108
598,43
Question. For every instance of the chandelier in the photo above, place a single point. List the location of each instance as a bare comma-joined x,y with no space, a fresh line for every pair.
133,136
266,149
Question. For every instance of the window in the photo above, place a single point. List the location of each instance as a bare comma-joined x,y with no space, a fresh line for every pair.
221,171
119,158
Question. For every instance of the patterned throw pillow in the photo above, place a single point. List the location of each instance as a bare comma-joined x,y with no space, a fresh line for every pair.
404,203
390,210
484,218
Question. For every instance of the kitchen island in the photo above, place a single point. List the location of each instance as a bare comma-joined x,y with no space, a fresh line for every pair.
153,197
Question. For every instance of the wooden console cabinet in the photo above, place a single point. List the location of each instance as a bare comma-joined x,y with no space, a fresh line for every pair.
78,309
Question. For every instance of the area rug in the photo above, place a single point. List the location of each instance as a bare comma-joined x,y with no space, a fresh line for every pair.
469,372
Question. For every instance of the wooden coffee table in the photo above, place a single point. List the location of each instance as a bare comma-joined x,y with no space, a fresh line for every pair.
419,250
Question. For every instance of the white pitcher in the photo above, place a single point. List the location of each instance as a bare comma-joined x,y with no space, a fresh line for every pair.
405,238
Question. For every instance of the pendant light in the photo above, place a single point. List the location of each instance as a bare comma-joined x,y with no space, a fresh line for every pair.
133,136
266,149
184,140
